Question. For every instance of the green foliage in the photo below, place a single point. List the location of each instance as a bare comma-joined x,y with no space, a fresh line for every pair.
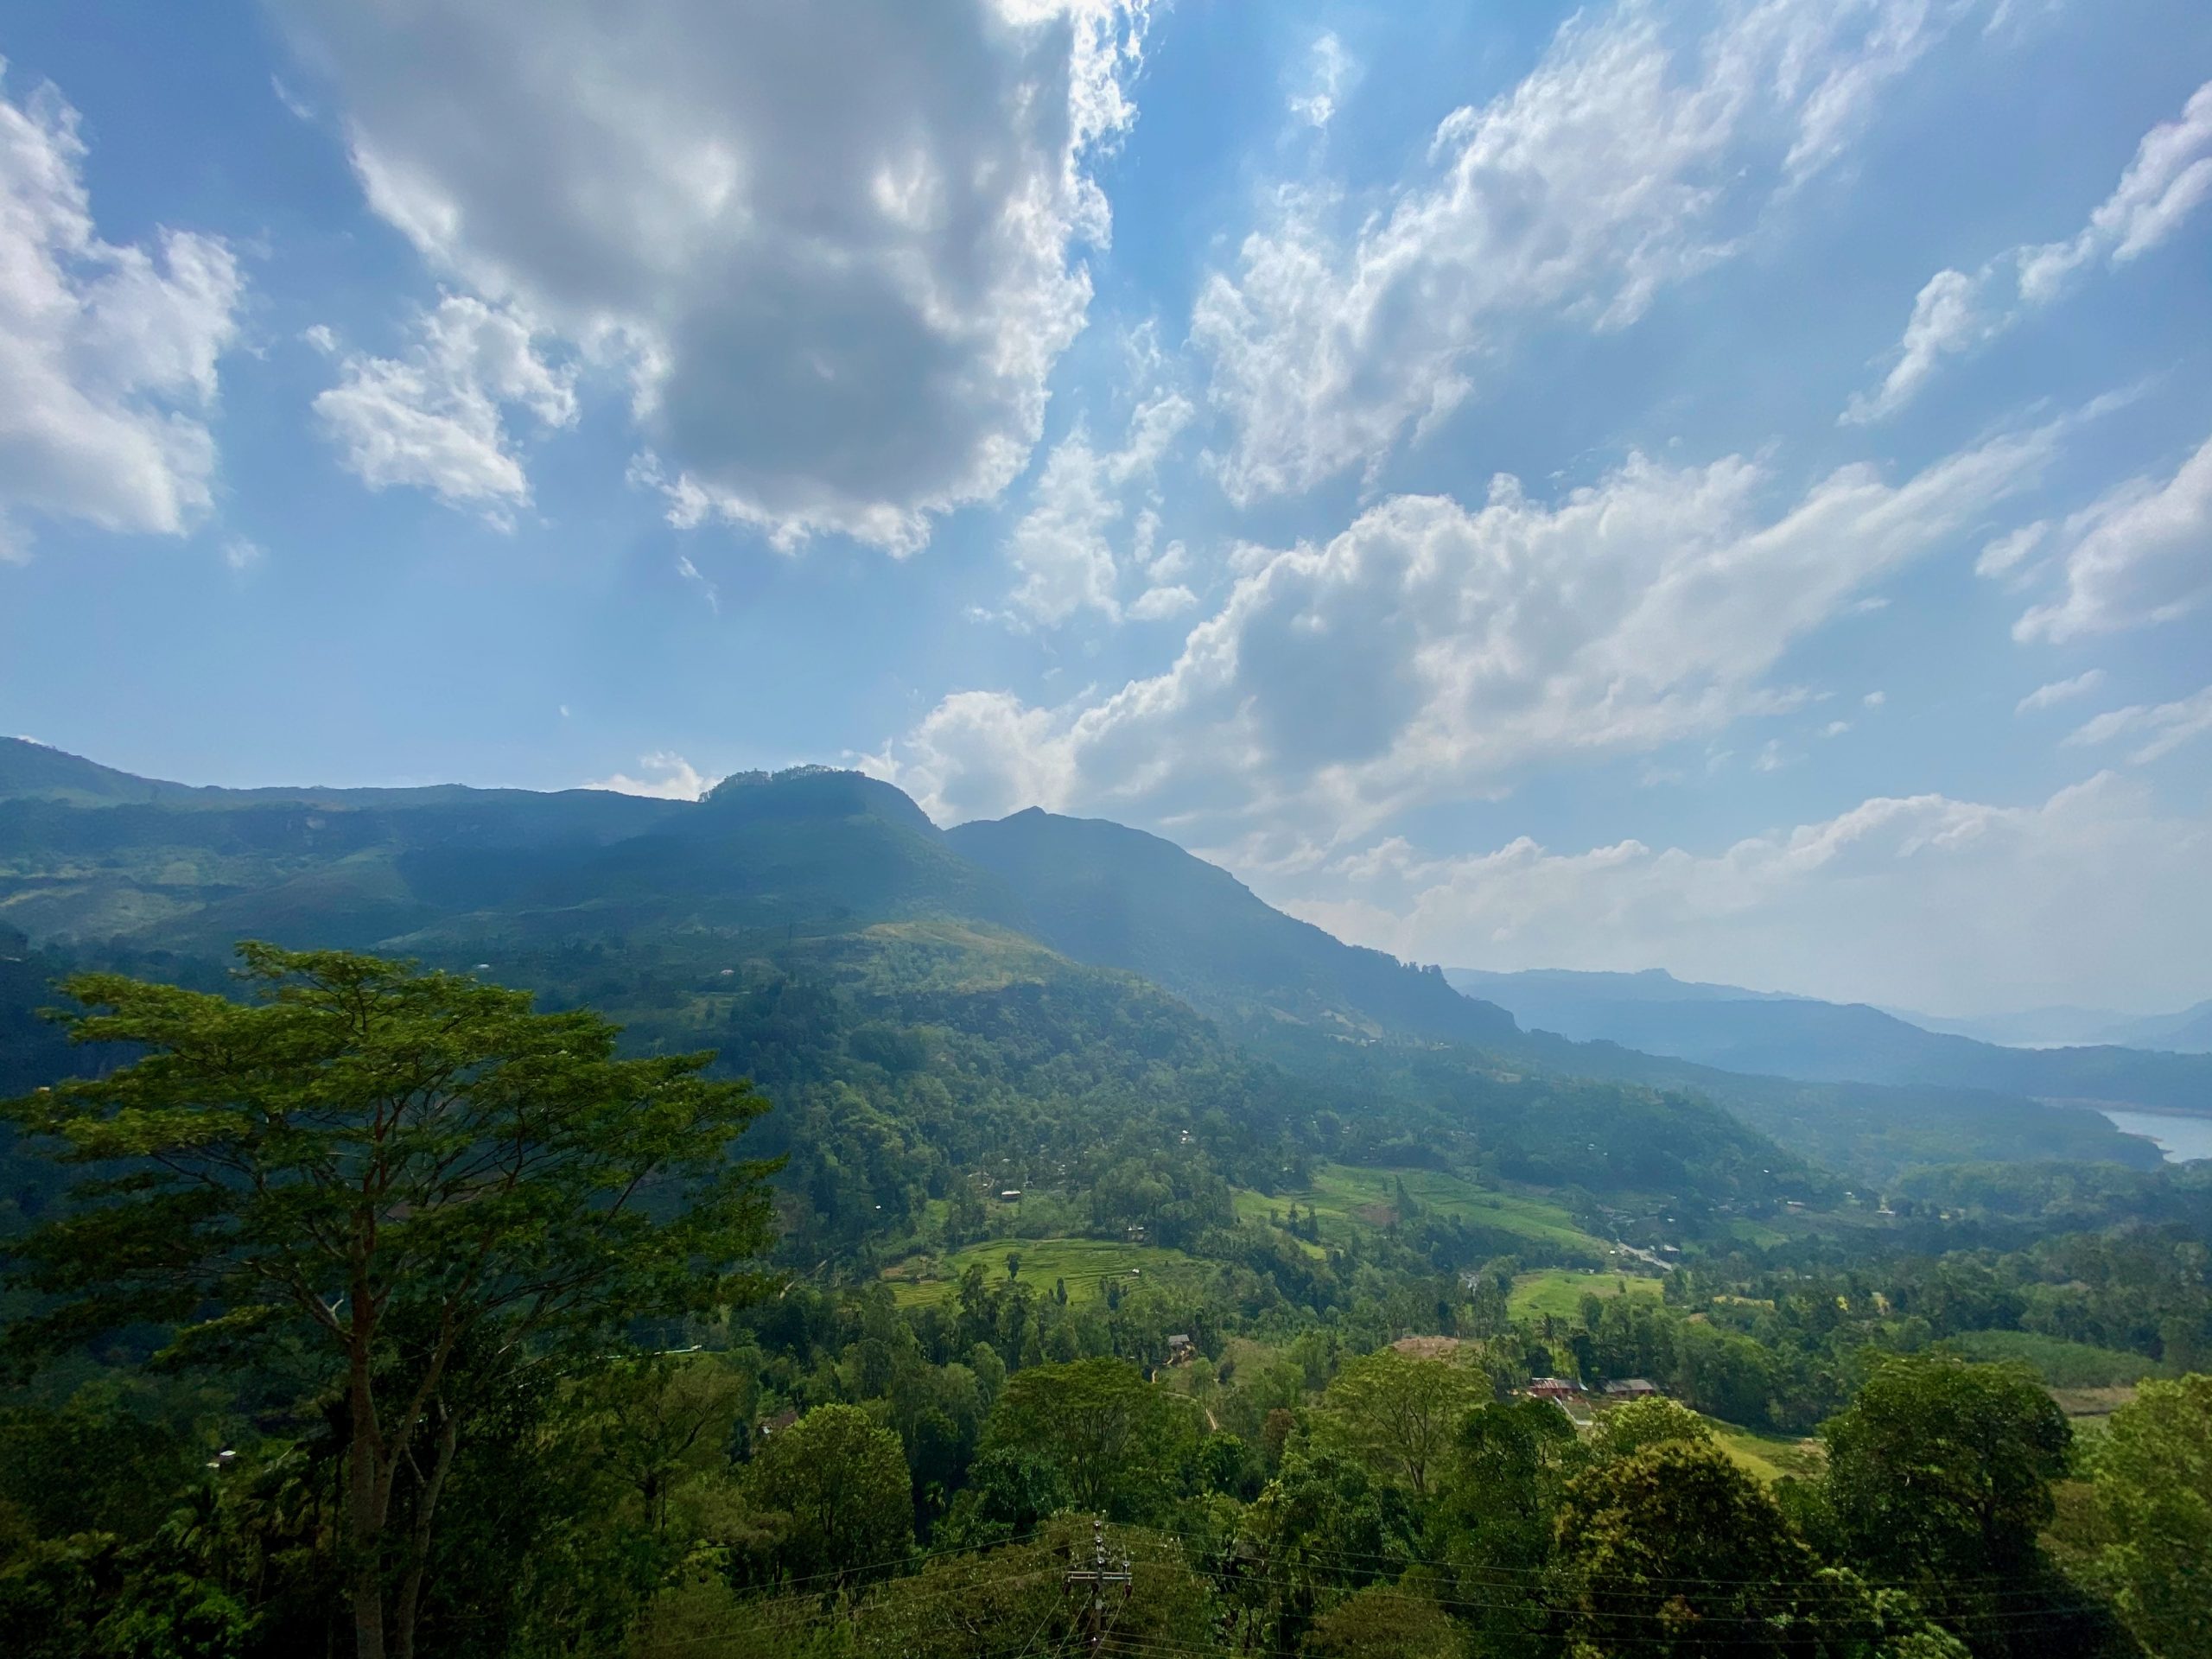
1112,1439
1944,1470
2152,1474
1399,1416
1673,1551
843,1482
404,1182
1384,1622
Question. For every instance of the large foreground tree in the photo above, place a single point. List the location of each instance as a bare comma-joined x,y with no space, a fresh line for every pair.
413,1178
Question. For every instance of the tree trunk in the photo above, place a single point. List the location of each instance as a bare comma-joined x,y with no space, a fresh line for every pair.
418,1562
364,1517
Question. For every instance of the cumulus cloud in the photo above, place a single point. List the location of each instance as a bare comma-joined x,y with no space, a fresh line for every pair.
1063,546
1434,651
2095,892
435,419
2140,554
2168,178
1634,156
108,352
2168,726
833,245
2058,691
669,777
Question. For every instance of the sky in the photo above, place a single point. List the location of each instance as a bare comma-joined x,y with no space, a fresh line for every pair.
1722,486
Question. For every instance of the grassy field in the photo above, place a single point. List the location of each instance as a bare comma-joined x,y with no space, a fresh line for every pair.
1346,1195
1085,1263
1768,1456
1559,1291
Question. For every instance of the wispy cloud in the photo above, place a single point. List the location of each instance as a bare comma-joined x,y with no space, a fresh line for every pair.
2169,179
2169,725
2058,691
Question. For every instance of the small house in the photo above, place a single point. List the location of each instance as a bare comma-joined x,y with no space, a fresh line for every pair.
1010,1195
1632,1388
1555,1389
1179,1350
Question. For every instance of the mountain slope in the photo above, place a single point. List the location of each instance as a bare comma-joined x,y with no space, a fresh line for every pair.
1829,1042
1101,893
662,911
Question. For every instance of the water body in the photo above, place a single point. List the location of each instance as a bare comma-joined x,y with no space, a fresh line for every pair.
2183,1140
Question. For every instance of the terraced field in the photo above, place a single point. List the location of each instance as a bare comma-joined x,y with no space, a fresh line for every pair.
1346,1195
1087,1264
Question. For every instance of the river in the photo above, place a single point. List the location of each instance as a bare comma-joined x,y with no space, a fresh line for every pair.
2182,1139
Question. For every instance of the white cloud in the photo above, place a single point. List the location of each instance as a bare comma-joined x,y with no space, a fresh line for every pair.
2044,696
833,243
108,352
1945,320
2005,554
2169,724
1432,651
2093,895
1628,160
240,554
2168,178
2141,555
669,777
1063,545
1328,69
435,419
1156,604
1875,699
708,590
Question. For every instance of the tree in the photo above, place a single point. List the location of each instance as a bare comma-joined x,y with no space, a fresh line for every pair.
842,1480
1398,1414
1109,1435
1944,1469
1508,1464
2153,1476
1674,1553
1627,1429
1384,1622
1940,1477
413,1178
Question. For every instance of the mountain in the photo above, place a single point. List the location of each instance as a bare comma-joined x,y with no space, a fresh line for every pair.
2186,1031
1104,894
1829,1042
910,983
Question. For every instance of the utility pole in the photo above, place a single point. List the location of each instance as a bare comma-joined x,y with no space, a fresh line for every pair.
1097,1578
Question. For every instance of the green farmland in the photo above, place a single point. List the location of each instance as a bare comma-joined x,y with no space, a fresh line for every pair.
1559,1291
1345,1197
1086,1263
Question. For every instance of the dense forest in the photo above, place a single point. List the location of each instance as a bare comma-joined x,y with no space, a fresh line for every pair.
774,1227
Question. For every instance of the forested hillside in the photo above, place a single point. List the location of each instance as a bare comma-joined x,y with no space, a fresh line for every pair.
809,875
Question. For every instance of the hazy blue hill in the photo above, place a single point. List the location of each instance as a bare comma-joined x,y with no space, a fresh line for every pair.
1105,894
2188,1032
1816,1041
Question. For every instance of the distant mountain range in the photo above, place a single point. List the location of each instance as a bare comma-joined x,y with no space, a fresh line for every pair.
1799,1037
2186,1031
664,912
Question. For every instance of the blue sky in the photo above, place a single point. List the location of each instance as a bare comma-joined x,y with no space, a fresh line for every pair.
1720,486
